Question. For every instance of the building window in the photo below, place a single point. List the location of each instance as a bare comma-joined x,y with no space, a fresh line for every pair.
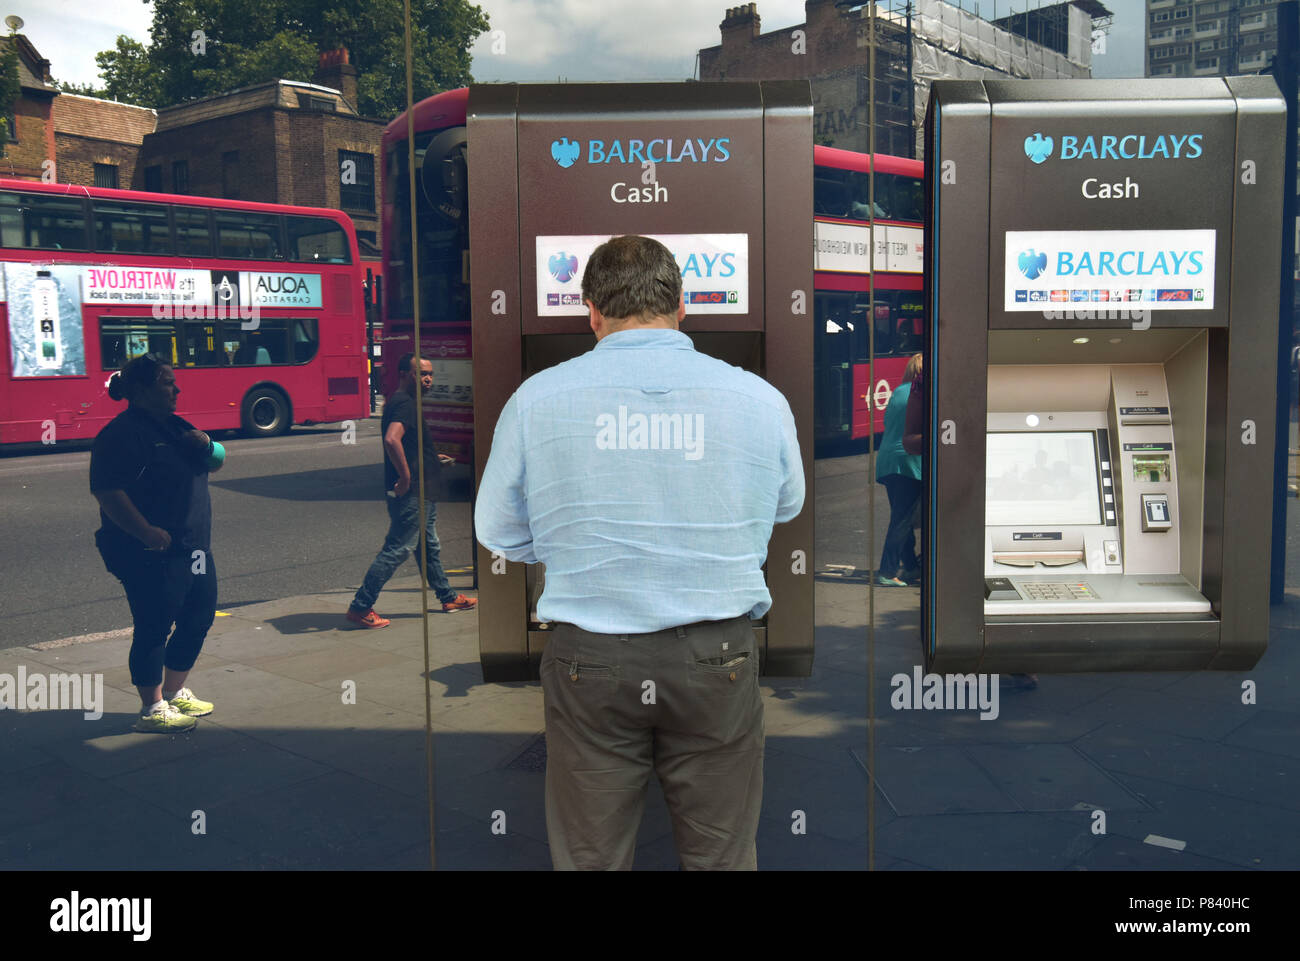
1182,14
106,176
322,104
1207,25
1160,17
1208,63
153,179
1162,70
230,175
356,180
180,176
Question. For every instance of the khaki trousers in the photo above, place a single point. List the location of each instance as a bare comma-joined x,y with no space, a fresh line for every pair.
683,701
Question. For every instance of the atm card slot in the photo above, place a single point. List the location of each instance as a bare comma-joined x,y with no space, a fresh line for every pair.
1030,558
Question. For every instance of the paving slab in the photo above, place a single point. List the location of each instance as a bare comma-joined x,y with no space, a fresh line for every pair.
240,768
1113,853
1188,762
1274,732
832,796
1051,777
988,842
336,821
937,780
1230,830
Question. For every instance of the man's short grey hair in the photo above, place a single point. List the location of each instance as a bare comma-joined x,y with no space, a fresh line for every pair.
633,278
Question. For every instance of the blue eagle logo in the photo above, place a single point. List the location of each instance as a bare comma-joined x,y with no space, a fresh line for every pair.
562,266
1038,148
1031,264
565,152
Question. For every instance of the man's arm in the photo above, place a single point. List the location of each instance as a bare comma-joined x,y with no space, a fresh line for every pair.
397,454
501,512
790,501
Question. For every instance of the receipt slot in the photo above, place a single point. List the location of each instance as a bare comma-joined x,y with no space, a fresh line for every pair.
719,173
1102,279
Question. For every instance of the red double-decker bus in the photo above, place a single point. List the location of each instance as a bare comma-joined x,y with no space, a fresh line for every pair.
259,307
847,406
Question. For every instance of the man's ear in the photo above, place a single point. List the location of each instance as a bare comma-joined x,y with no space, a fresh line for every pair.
681,307
595,318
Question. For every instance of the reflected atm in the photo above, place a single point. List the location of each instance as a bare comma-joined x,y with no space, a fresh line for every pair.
1099,384
721,173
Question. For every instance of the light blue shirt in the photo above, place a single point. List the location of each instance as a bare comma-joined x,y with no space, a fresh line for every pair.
646,477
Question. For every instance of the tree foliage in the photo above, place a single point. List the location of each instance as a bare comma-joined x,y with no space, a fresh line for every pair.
10,87
198,48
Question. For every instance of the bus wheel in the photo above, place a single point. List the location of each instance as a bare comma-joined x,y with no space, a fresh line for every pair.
266,413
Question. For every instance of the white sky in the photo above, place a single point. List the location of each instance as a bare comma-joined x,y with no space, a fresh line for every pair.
543,39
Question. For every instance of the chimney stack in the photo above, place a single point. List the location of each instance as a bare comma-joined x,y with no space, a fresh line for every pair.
333,70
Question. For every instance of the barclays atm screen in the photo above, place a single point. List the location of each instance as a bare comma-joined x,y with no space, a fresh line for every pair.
1041,479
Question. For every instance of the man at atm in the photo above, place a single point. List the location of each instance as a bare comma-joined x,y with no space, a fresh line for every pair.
647,477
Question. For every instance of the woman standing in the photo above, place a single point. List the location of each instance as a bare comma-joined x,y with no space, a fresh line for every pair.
900,472
149,471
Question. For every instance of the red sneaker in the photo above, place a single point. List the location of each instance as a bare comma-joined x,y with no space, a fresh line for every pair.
368,619
461,603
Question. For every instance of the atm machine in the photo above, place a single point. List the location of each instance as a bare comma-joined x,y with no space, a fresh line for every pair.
719,172
1099,385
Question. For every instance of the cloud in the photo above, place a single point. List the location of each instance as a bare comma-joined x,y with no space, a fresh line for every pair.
607,39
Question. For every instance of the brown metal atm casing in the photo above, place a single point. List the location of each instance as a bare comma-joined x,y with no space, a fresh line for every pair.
1030,158
521,189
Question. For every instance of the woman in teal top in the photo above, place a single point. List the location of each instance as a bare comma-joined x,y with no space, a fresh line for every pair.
900,472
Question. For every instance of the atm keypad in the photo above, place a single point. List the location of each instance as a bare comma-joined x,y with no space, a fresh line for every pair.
1058,591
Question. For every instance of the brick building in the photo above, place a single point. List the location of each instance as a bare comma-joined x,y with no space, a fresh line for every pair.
282,141
97,142
28,122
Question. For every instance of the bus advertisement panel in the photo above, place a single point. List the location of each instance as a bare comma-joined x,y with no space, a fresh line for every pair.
260,309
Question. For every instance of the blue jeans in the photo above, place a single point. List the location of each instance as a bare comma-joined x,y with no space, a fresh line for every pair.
900,541
403,538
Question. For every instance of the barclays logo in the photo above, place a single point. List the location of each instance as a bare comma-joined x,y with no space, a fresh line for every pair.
565,152
563,266
1038,148
1032,264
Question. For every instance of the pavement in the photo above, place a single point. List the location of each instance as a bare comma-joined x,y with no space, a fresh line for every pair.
316,754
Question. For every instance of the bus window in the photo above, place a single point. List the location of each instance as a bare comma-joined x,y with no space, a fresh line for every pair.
193,232
248,236
124,228
830,192
267,344
201,346
898,197
122,339
42,222
317,240
305,339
